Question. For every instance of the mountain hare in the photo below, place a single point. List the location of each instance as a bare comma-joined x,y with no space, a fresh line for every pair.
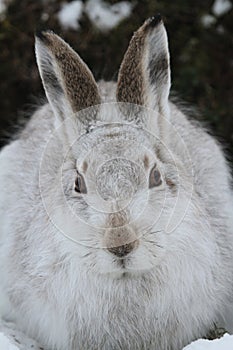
116,210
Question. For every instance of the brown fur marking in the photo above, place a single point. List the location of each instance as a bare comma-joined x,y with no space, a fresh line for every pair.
85,166
80,86
130,87
146,161
131,79
117,219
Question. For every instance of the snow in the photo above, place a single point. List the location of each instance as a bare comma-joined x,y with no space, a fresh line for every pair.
105,16
70,14
5,343
3,7
102,15
224,343
208,20
13,339
220,7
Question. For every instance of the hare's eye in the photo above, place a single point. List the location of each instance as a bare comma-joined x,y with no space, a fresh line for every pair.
79,185
155,178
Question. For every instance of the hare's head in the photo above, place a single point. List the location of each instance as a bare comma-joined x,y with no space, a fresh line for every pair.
118,184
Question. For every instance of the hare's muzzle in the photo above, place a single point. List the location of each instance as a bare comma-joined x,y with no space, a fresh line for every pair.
120,241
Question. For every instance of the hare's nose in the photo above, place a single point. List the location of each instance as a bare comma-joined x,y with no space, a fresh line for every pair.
123,250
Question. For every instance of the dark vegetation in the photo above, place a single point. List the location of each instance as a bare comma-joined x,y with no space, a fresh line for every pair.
201,56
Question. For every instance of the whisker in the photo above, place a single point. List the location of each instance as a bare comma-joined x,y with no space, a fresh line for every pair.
86,255
154,243
151,232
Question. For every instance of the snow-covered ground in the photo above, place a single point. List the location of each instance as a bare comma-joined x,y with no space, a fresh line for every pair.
13,339
5,343
224,343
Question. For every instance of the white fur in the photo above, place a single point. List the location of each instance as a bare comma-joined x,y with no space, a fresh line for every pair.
64,288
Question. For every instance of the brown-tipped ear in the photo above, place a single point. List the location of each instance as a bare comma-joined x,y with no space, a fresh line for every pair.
144,76
66,78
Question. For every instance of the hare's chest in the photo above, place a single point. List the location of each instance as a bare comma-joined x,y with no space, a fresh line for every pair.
120,322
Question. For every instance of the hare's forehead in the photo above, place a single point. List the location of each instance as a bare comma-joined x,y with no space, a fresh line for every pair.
107,142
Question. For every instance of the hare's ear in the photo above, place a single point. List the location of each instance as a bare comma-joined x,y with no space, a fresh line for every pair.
144,76
69,85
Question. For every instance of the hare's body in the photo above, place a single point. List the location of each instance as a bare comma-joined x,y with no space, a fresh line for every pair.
173,286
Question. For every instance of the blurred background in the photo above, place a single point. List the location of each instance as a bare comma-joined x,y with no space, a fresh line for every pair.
200,36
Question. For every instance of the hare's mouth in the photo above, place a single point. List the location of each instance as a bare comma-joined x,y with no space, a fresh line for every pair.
121,266
122,263
124,267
